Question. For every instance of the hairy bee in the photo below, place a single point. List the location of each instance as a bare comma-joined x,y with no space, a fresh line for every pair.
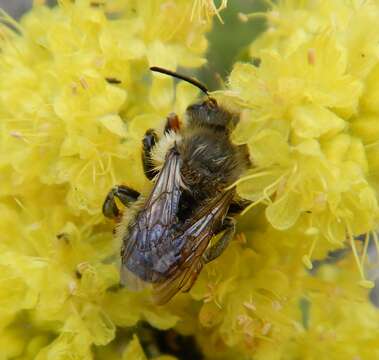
165,234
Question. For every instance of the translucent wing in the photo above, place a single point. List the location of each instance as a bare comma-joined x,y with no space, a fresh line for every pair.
195,235
147,251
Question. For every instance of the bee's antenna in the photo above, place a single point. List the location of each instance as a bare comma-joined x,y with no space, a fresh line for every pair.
192,81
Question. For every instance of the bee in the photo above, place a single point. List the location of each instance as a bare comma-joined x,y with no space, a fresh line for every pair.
166,233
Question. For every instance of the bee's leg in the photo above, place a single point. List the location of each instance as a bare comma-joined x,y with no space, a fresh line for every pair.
148,142
229,226
124,193
172,123
237,207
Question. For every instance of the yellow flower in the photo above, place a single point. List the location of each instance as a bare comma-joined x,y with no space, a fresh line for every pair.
259,302
309,121
341,323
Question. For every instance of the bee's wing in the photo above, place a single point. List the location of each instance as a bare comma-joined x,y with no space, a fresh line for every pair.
197,234
153,222
163,202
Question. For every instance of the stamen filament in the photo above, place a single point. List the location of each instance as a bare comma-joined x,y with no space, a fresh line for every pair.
365,247
364,282
244,211
248,177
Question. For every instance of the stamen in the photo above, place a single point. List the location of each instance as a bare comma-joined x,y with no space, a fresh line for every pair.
266,338
364,282
275,183
19,203
216,11
255,15
102,167
248,177
84,168
207,9
264,197
307,258
355,252
244,211
7,19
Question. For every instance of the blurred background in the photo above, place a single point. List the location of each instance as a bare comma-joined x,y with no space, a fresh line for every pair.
233,35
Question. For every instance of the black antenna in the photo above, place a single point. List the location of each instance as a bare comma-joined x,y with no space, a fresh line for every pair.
192,81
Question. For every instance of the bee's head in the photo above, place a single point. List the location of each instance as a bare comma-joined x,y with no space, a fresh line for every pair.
206,113
209,114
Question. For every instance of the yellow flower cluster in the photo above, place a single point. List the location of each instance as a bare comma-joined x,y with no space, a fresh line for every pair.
259,302
76,96
311,121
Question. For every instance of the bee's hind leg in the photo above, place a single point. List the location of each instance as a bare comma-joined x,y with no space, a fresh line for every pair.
124,193
229,228
213,252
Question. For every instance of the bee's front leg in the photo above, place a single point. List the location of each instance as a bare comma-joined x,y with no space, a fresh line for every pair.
229,226
124,193
148,142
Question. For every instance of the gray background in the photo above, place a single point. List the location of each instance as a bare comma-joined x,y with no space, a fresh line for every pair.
15,7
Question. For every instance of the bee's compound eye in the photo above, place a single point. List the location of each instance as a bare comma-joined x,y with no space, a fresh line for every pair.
200,109
193,108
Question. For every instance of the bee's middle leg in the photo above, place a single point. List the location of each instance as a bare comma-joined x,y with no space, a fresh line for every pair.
124,193
236,207
213,252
